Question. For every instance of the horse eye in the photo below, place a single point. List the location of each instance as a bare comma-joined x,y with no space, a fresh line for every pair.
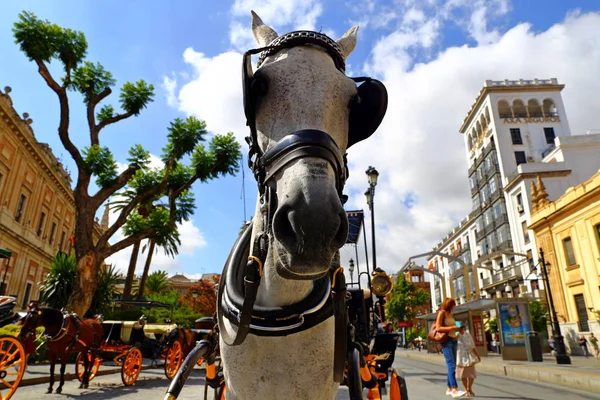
354,101
259,86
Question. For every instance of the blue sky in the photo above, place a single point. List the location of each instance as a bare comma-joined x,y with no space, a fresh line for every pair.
429,53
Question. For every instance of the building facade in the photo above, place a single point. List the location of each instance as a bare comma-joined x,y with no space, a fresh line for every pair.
514,132
37,208
568,229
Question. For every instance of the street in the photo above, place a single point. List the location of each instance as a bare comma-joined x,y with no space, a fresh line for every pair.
425,381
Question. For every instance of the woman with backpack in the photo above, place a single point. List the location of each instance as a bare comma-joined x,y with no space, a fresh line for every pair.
445,332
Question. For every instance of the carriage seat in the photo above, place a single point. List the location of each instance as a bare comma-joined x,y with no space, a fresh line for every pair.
384,346
127,328
152,330
7,303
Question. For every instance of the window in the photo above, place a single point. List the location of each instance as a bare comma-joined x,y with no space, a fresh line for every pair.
581,313
598,235
27,295
52,231
20,208
515,134
40,228
569,253
525,231
549,133
520,157
62,240
535,284
530,258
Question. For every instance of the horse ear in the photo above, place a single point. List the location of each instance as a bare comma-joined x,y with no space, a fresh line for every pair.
348,41
263,34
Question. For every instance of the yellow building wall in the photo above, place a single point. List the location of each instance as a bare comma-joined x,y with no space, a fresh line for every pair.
575,215
47,220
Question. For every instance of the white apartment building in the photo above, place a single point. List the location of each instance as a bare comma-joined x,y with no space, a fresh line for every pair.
514,132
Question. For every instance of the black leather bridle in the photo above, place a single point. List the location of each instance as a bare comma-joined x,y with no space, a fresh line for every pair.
245,262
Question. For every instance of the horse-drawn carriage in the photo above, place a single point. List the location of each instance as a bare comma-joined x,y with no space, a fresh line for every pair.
127,343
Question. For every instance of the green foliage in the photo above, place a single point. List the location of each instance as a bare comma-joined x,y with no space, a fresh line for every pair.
493,325
220,159
182,137
90,80
42,41
138,156
539,316
106,291
105,113
58,284
157,283
413,333
405,298
100,162
41,355
135,97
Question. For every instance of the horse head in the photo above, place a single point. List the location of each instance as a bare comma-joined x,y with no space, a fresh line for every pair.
29,324
299,97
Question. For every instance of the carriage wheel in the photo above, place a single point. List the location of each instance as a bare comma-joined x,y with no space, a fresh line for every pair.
132,365
353,375
79,368
398,390
12,365
173,359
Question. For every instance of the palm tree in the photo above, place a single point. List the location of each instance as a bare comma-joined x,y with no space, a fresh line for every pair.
58,284
106,291
157,282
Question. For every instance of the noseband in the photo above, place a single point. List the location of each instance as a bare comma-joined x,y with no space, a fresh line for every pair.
327,298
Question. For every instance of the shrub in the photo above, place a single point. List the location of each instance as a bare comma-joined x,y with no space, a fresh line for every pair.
41,355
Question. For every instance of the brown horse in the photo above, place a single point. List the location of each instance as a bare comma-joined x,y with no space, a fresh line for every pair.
65,334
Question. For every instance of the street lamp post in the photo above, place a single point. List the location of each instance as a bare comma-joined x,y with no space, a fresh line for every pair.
561,353
351,269
194,296
372,174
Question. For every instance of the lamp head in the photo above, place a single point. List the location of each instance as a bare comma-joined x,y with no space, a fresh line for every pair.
351,266
372,174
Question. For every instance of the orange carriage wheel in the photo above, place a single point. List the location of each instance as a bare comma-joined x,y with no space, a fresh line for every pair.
79,369
173,359
132,365
13,361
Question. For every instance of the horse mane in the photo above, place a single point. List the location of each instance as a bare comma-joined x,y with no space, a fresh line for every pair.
51,315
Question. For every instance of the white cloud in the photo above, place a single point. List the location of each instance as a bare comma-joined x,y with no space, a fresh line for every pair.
425,157
419,152
169,85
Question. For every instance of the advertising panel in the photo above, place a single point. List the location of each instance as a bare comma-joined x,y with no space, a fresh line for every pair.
514,322
477,330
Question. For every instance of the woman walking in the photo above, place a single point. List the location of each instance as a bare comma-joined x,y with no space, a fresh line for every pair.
466,358
594,343
445,323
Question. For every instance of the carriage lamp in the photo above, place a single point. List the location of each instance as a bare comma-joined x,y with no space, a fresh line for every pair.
381,283
351,269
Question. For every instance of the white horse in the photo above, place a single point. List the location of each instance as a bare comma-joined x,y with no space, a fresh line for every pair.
299,224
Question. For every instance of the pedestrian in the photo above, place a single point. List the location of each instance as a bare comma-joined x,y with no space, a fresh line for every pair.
551,344
594,342
389,328
445,323
583,345
466,358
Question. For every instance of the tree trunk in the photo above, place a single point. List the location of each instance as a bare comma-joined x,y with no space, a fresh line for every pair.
131,271
146,270
86,282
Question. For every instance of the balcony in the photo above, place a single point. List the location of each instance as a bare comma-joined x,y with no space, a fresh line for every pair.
502,219
506,245
489,148
479,235
475,213
548,150
511,273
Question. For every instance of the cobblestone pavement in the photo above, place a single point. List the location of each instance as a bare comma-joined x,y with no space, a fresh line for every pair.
426,381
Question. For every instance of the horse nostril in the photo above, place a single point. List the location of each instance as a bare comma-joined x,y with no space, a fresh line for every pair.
284,226
342,233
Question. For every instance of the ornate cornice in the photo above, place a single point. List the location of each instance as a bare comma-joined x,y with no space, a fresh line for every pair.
40,152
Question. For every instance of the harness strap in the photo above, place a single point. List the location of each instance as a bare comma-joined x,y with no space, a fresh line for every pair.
338,295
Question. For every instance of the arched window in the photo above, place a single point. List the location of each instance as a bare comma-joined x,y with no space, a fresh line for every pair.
549,108
474,135
479,131
487,115
470,142
483,121
534,108
504,109
519,109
